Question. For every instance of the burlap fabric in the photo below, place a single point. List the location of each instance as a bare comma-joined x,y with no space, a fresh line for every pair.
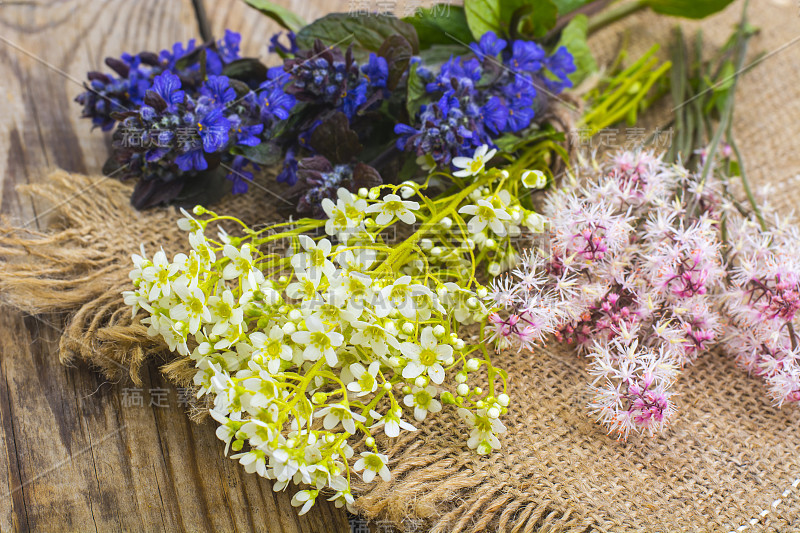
730,461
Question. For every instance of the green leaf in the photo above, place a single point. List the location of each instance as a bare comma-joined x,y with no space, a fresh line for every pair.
247,69
433,57
266,153
568,6
440,24
279,14
534,19
416,92
573,37
692,9
483,16
365,32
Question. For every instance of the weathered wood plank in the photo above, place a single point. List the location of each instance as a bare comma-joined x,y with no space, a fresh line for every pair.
77,453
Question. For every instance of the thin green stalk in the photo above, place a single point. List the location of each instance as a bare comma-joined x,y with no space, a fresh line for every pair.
614,14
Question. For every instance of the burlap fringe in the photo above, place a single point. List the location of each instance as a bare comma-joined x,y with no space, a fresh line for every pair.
80,270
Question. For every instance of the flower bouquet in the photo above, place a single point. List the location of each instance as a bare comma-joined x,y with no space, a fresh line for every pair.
437,214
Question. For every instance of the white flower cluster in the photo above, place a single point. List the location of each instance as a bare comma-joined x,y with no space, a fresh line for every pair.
300,351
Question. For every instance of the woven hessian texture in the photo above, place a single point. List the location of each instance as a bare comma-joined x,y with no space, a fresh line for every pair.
728,456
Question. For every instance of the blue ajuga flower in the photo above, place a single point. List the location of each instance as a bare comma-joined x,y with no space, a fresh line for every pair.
248,135
213,129
191,160
376,71
218,90
169,58
240,175
482,98
279,48
227,50
288,173
527,56
325,77
353,99
275,103
228,46
489,45
107,94
168,86
561,64
456,73
444,132
494,115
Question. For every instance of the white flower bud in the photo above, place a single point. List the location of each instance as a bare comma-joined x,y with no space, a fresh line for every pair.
446,222
473,365
459,344
495,269
449,361
482,292
282,280
394,361
406,192
329,438
480,404
535,222
462,389
387,386
472,302
370,442
199,210
390,328
363,192
289,328
295,315
426,244
484,448
514,231
503,399
438,331
461,377
421,382
478,390
374,193
490,244
493,412
408,328
436,251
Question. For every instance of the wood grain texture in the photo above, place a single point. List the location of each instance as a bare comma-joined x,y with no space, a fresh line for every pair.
78,453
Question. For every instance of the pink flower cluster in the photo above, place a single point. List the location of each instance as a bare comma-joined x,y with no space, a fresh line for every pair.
761,302
629,280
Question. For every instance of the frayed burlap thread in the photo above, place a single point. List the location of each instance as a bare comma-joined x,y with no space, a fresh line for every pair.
79,268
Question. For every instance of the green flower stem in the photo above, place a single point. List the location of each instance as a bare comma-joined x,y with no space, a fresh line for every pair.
400,254
609,16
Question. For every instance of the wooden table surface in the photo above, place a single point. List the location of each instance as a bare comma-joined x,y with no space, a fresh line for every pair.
78,453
